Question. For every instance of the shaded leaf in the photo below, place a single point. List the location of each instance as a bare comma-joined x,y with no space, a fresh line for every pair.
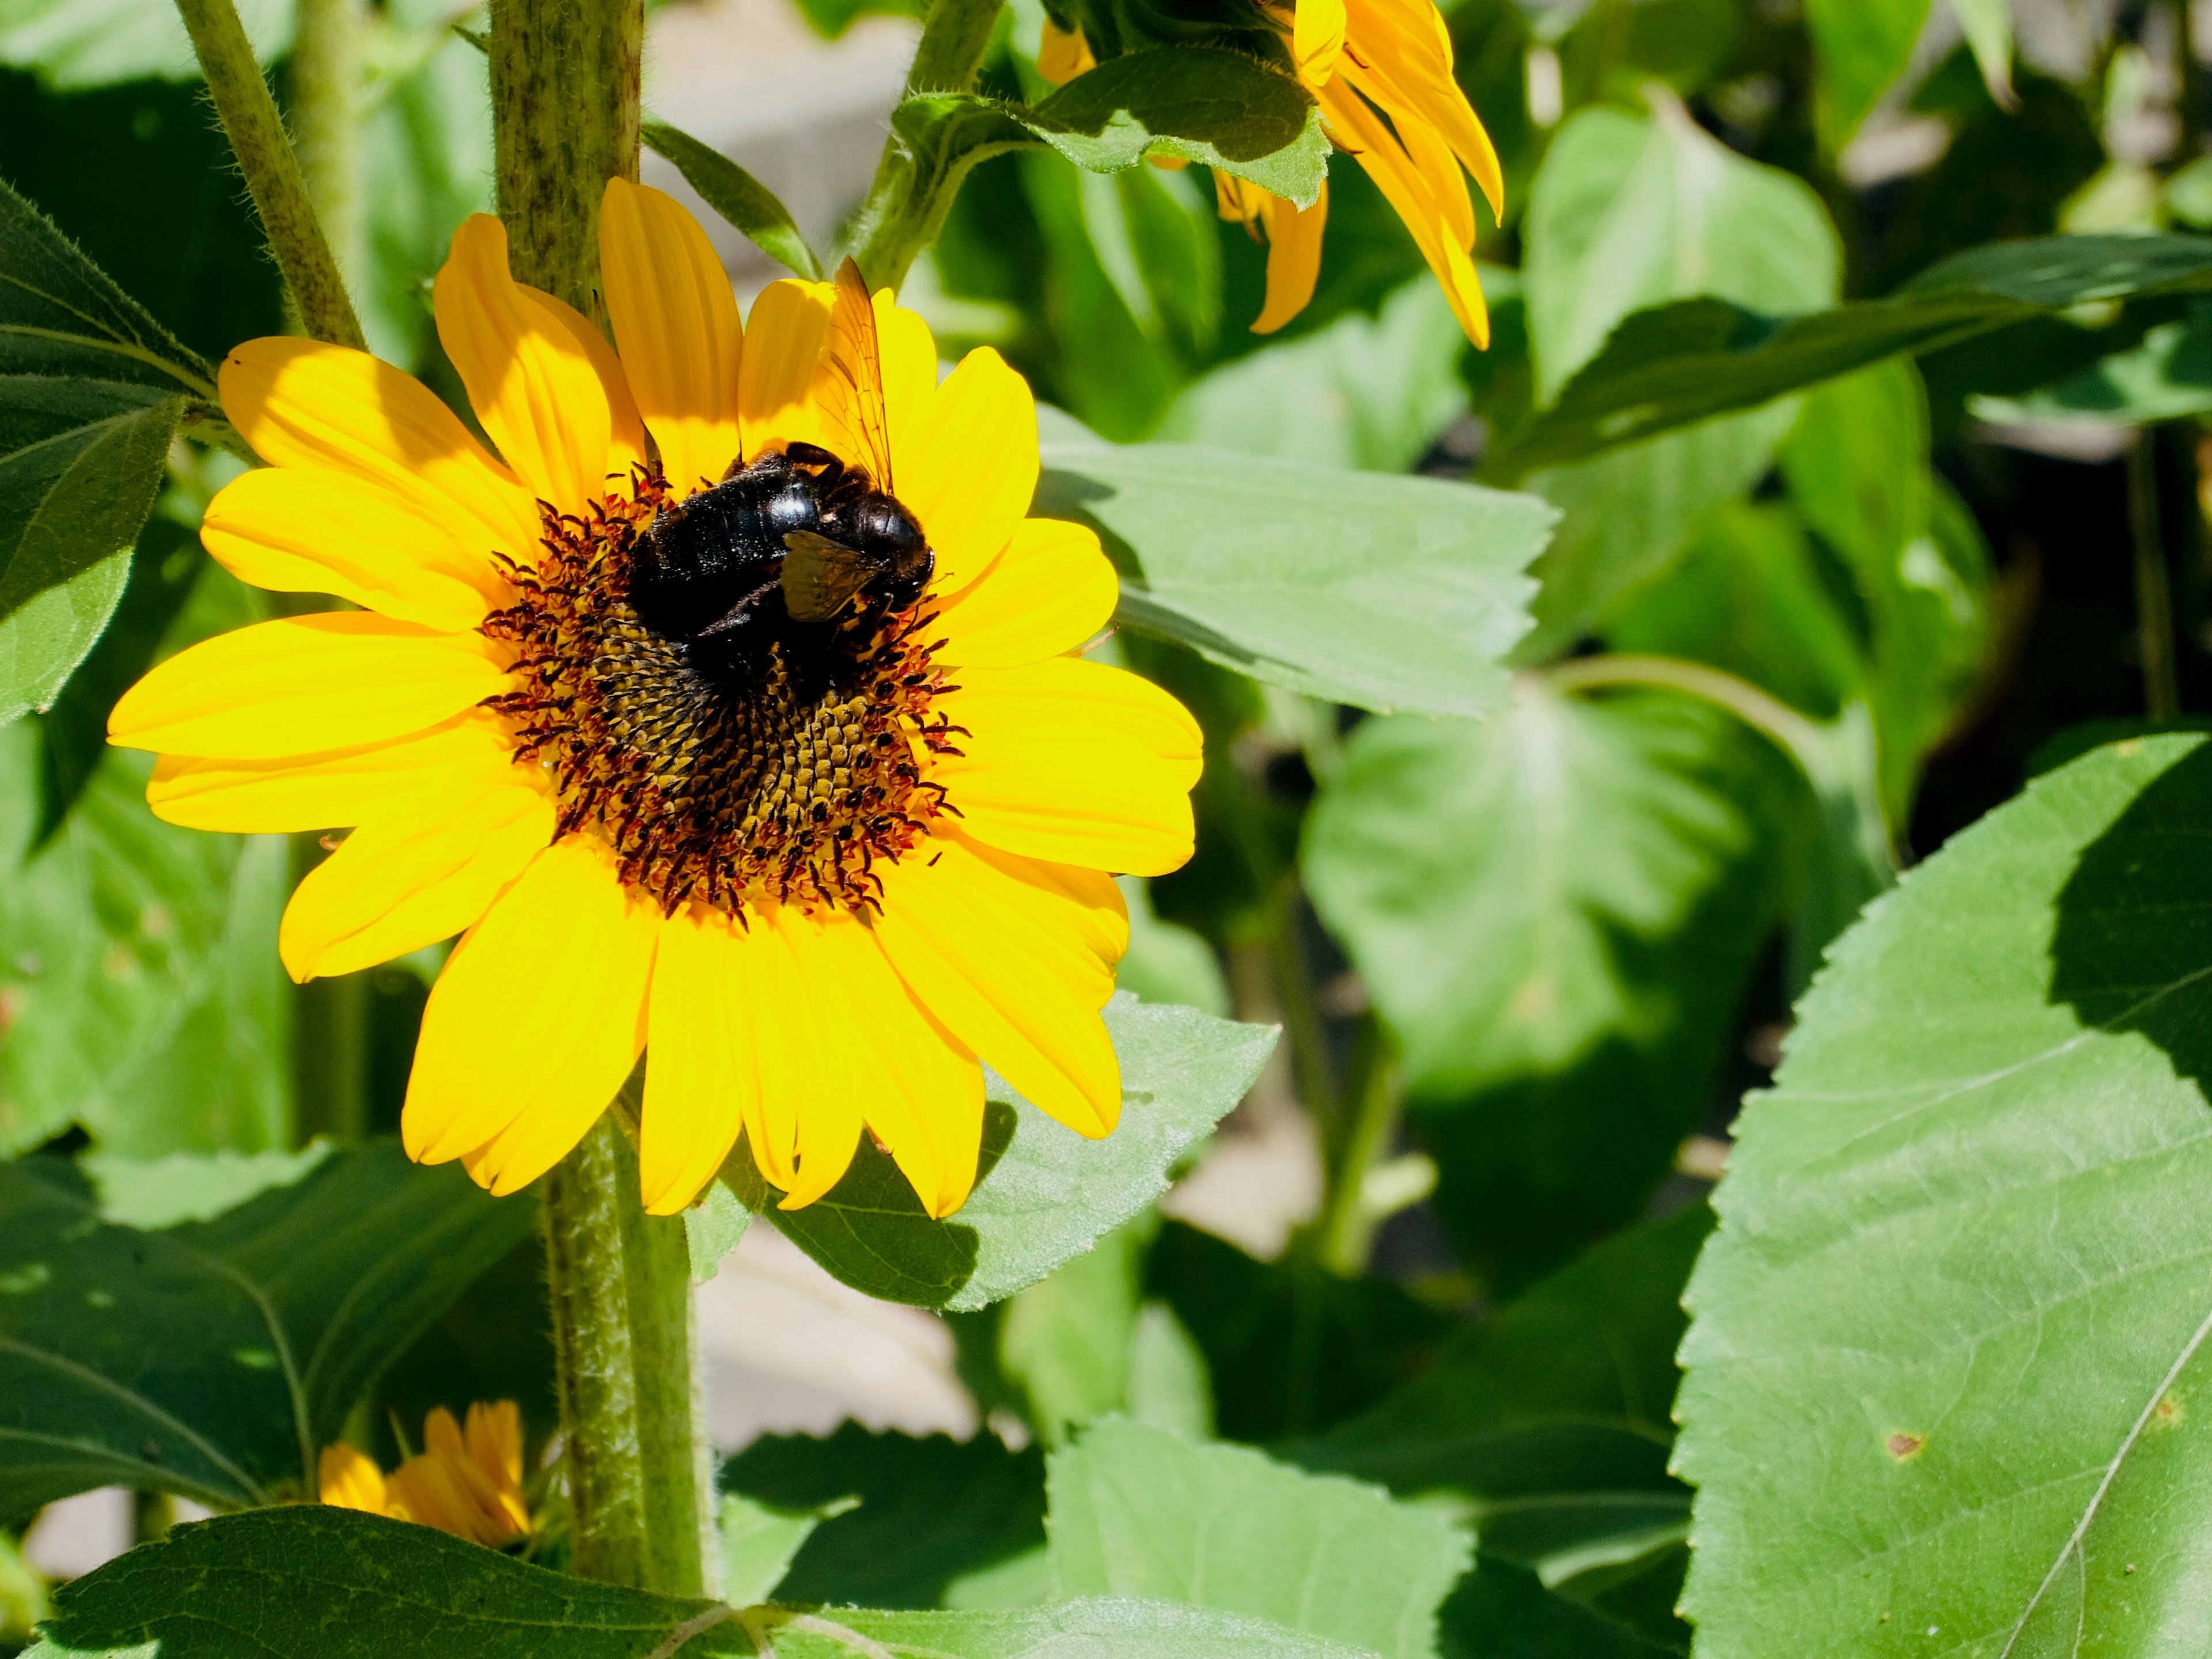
757,1543
738,196
1557,911
931,1510
1673,365
2164,376
1046,1193
1943,1384
1859,47
216,1359
80,463
1384,592
1137,1511
1502,1610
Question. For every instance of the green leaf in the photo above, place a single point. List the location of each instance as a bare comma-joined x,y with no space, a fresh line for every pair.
758,1541
76,44
1673,365
712,1228
139,972
1201,103
60,315
340,1584
1555,910
931,1510
216,1358
2168,375
1629,212
1948,1354
1859,47
1550,1418
1502,1611
1370,392
1045,1194
1137,1511
80,463
1384,592
1167,962
738,196
1988,25
160,1192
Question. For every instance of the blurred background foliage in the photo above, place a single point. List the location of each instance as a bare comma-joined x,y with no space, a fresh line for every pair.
1526,966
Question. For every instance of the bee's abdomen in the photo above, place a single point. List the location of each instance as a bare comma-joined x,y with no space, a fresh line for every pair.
698,560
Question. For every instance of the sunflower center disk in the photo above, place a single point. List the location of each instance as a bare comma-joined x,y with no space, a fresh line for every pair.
720,791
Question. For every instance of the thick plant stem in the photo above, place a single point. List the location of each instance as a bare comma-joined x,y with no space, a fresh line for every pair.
565,115
272,172
621,1284
326,114
564,77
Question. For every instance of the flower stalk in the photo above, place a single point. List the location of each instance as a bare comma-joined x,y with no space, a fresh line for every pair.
257,136
565,119
326,120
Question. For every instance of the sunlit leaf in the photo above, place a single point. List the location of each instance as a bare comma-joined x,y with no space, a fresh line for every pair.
215,1359
77,44
1385,592
1943,1382
1859,47
1138,1512
738,196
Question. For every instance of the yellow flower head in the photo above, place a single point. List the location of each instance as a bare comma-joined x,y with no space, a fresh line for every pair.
1382,72
468,1483
812,900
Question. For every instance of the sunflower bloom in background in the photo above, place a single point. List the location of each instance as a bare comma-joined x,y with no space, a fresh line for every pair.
1382,72
813,906
465,1481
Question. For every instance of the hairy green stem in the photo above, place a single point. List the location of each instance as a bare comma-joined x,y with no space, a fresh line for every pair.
272,172
623,1343
326,117
565,119
892,226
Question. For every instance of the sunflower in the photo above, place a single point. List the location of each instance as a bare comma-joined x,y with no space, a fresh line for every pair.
814,908
465,1481
1382,72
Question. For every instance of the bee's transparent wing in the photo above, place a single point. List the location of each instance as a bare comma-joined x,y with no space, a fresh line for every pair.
820,576
853,390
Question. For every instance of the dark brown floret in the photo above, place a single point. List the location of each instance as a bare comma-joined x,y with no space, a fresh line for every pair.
707,790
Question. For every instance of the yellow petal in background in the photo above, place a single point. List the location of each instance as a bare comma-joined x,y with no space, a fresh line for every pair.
1052,590
776,380
347,1479
334,791
301,403
1317,40
1062,54
1294,239
971,468
416,875
531,385
1074,763
1386,162
992,955
301,531
535,1022
676,321
305,685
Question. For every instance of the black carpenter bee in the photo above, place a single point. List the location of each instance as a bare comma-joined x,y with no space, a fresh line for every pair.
800,547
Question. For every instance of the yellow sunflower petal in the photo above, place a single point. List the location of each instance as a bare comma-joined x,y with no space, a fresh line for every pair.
676,321
1402,186
1049,592
323,791
535,1022
1062,54
776,378
299,531
529,381
1294,239
832,1081
970,469
912,1082
1404,49
302,403
909,376
1074,762
494,1434
346,1480
704,1053
1317,40
305,685
992,956
414,877
626,428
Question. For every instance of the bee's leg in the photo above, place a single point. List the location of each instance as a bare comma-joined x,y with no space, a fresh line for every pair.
813,457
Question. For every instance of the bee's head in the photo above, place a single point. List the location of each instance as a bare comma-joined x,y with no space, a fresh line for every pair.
889,532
